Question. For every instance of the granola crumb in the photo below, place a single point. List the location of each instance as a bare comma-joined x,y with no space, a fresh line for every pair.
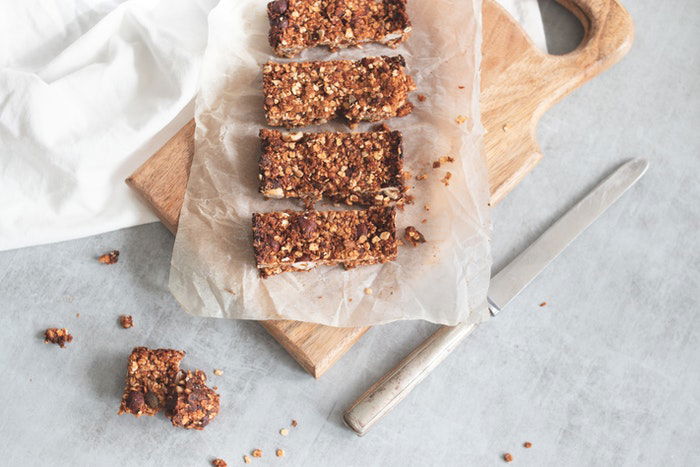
413,236
409,199
446,178
422,176
504,128
126,321
257,453
508,457
406,175
279,453
246,459
284,432
543,304
294,422
218,372
421,97
57,336
349,299
460,87
424,221
368,291
445,159
219,463
460,119
426,207
436,165
77,315
230,291
527,444
109,258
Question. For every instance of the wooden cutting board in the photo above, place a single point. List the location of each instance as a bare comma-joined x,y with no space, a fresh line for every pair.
518,84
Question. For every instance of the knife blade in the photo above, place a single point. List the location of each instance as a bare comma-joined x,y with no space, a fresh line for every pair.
514,277
386,393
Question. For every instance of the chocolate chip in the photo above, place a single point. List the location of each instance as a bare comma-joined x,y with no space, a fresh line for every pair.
278,6
275,245
152,400
134,401
361,230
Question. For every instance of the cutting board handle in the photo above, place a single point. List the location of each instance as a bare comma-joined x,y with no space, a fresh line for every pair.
519,84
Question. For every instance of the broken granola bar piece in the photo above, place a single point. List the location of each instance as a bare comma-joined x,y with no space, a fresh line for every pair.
413,236
309,93
57,336
296,25
149,375
299,241
191,403
350,168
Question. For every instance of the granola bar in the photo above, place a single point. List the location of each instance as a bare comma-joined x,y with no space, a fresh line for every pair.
296,25
191,403
149,375
299,241
354,168
309,93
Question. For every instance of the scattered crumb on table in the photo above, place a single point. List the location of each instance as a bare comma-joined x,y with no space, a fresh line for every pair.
508,457
57,336
246,459
279,453
294,423
527,444
126,321
446,178
543,304
109,258
257,453
219,463
218,372
284,432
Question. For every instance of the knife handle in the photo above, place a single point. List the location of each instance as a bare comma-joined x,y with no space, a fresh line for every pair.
386,393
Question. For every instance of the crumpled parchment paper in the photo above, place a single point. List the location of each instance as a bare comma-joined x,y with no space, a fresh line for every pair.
213,269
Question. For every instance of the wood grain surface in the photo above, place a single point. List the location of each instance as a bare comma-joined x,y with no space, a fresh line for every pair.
518,84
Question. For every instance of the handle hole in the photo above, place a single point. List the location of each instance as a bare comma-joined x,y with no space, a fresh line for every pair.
562,29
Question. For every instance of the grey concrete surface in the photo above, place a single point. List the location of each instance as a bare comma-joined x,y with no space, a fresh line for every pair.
608,373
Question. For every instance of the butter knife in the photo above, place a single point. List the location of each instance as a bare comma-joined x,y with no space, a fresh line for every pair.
386,393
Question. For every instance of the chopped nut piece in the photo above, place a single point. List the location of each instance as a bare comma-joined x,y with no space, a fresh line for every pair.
257,453
219,463
296,25
413,236
508,457
57,336
527,444
446,178
126,321
191,403
150,374
218,372
279,453
543,304
109,258
371,89
460,119
246,459
284,432
282,240
294,422
421,97
354,168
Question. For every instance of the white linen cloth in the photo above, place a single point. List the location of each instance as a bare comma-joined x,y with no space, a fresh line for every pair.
89,89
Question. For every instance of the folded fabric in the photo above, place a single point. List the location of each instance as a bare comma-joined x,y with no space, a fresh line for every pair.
89,89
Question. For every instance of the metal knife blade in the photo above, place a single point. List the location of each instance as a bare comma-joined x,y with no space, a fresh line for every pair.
527,265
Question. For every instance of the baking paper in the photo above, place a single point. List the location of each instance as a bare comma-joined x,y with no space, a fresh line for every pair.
213,269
